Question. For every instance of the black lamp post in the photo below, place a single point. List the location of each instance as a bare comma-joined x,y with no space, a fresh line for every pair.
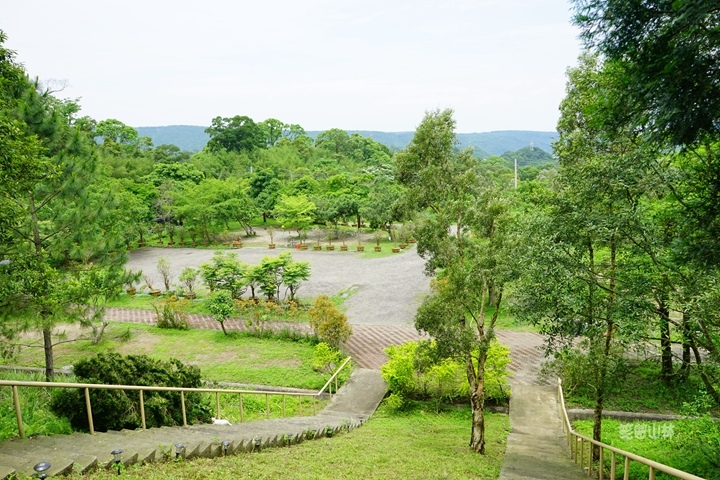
257,442
117,458
226,446
40,469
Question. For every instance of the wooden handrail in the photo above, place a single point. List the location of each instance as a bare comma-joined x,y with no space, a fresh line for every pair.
334,377
653,465
86,387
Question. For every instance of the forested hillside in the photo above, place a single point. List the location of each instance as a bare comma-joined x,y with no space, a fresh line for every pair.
193,138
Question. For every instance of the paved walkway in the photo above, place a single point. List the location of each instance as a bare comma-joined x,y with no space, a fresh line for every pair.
349,408
536,444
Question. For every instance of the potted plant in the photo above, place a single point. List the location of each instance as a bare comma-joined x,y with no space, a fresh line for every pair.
393,236
411,230
170,229
181,233
342,234
148,281
317,247
188,277
130,284
271,232
302,236
329,233
403,234
378,236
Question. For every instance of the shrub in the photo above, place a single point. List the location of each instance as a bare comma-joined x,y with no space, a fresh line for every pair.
328,323
414,372
170,313
118,409
326,358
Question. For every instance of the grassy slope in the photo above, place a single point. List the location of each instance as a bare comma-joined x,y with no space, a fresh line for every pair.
415,444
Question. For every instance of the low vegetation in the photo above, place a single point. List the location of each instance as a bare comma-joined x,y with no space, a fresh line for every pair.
414,443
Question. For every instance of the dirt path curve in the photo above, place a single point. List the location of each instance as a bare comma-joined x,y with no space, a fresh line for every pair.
385,294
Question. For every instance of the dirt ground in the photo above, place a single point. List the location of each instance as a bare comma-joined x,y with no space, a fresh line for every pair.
382,291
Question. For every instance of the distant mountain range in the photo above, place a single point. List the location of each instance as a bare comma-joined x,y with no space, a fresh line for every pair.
193,138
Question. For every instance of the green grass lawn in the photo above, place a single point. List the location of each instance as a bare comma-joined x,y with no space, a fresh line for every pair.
691,445
391,445
238,358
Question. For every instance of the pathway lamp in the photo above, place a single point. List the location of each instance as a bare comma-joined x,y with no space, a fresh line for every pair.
179,450
226,446
117,458
257,442
40,469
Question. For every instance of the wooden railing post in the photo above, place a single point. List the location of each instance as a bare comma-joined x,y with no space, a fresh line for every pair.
88,407
242,414
182,405
267,406
18,411
217,404
142,410
283,406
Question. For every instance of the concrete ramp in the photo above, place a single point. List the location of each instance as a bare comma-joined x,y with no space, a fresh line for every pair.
536,444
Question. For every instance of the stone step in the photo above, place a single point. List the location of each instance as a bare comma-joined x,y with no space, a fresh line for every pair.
6,473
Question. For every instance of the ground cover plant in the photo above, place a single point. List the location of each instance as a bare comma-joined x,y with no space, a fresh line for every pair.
691,445
415,443
648,393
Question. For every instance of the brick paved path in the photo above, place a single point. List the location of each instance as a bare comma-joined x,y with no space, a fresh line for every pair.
368,341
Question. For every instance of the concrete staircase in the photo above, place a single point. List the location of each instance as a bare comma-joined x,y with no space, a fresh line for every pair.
79,452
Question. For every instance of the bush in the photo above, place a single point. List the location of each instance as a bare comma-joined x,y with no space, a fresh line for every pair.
413,373
328,323
326,358
118,409
170,313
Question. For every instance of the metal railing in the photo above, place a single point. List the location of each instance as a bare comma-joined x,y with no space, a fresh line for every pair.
86,387
577,442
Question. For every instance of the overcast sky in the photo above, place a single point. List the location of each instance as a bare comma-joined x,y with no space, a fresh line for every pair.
355,65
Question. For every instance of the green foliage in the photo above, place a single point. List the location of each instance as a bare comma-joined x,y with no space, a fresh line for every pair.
326,358
221,306
413,371
225,272
118,409
36,415
328,323
171,312
188,277
428,443
295,211
690,445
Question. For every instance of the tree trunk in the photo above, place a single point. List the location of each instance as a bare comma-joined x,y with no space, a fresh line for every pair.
686,359
666,365
222,325
48,347
477,402
703,376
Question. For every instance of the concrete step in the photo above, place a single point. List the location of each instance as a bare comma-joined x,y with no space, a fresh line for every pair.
6,473
81,452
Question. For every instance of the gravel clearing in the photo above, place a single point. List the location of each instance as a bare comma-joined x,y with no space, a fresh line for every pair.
384,291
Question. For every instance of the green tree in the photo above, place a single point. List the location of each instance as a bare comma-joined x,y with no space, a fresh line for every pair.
225,272
460,234
328,323
54,223
221,306
295,212
236,134
653,41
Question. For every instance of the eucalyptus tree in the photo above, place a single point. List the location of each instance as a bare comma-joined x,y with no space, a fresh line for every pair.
460,235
